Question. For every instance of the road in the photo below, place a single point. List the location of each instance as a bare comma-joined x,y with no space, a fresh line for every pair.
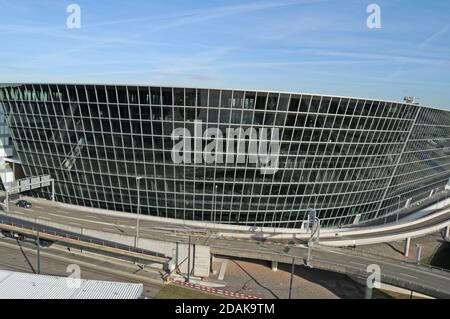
439,219
326,258
50,211
21,256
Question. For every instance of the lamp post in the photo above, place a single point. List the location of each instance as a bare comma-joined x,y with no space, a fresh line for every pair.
189,260
214,203
138,179
398,208
38,244
292,277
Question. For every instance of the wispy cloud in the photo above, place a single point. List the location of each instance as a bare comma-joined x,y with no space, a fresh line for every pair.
194,16
421,47
435,36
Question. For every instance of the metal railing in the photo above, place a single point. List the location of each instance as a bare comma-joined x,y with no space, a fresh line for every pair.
390,259
44,230
388,279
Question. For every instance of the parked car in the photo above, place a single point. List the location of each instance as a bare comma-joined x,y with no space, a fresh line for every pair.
23,204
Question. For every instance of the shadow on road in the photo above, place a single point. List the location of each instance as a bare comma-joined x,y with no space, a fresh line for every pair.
340,285
26,257
441,257
254,279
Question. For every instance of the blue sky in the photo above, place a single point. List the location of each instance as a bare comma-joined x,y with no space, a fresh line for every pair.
314,46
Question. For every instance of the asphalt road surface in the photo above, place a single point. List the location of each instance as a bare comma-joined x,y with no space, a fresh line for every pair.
267,250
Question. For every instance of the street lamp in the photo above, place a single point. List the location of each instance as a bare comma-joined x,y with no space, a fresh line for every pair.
138,179
214,203
292,277
398,208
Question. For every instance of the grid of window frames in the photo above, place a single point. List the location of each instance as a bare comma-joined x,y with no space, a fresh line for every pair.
352,160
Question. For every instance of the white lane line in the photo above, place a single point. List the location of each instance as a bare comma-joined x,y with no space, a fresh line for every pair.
355,263
90,221
223,269
62,212
408,276
54,214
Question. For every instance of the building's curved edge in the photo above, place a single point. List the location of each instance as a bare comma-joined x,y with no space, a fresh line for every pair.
225,88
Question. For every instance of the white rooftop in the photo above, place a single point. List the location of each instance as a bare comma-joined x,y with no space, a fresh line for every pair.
14,285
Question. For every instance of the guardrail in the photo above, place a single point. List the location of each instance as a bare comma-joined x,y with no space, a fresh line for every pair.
330,266
80,240
391,280
386,258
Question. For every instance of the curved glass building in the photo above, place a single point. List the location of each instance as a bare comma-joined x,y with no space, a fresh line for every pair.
352,160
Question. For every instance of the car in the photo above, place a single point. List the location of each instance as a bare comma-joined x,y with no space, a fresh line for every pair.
12,234
45,243
23,204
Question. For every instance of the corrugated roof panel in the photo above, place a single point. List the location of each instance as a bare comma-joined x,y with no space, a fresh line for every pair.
15,285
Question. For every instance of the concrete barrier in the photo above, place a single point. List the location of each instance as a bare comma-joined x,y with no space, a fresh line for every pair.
252,232
385,239
200,254
334,233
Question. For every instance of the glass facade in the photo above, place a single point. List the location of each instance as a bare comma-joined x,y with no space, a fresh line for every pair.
352,160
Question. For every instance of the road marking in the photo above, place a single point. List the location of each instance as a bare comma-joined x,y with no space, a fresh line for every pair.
223,269
408,276
392,264
359,264
62,212
37,206
89,221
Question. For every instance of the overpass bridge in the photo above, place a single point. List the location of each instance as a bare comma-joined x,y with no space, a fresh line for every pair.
176,241
421,279
28,229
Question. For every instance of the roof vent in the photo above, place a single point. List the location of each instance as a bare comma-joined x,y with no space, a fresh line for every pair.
411,100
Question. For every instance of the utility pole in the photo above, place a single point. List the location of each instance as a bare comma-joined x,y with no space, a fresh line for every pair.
176,254
138,179
189,260
292,277
308,258
214,203
38,244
